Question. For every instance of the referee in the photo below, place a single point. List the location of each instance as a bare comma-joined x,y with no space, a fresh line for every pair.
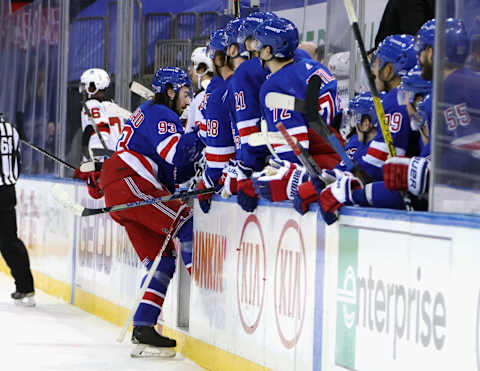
12,248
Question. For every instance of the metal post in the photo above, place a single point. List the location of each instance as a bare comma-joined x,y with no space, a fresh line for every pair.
438,68
62,82
124,44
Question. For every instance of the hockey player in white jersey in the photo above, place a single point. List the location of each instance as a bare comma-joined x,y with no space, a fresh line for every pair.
202,67
102,124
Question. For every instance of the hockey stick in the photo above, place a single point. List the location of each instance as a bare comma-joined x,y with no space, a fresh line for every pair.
141,90
285,101
289,102
387,136
48,154
90,118
316,122
64,198
148,279
264,131
305,158
258,139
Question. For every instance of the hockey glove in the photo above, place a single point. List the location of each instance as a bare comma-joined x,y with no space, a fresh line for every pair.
337,194
205,200
403,173
279,181
246,197
305,196
228,181
93,185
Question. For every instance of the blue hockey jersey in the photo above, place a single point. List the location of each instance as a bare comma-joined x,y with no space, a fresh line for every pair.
399,124
245,88
219,141
156,141
459,133
293,79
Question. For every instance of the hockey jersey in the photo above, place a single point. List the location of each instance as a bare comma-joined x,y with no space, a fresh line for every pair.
220,147
354,150
153,143
245,87
292,79
108,117
399,124
459,133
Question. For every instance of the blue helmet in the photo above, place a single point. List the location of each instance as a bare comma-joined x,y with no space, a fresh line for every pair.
218,42
425,36
278,33
412,85
249,25
398,50
456,39
232,30
360,105
169,75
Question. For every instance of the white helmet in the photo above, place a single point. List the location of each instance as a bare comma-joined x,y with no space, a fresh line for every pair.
98,77
339,64
199,55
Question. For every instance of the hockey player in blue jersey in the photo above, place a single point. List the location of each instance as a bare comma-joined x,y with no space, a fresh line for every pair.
244,89
277,40
394,57
458,132
152,146
220,146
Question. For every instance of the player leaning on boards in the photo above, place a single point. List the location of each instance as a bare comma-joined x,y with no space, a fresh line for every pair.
152,145
276,40
12,248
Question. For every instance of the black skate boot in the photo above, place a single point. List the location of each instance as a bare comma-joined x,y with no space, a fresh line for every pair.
151,343
23,298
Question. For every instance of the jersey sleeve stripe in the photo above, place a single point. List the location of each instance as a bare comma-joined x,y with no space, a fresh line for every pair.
219,158
220,150
167,148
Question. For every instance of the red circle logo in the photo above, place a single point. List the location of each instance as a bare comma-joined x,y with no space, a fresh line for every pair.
251,272
290,284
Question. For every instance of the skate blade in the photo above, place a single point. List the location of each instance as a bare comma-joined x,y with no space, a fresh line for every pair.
144,351
25,302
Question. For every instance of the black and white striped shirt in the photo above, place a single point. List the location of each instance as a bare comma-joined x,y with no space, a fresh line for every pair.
9,154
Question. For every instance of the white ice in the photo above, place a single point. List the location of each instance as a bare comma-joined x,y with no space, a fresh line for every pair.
57,336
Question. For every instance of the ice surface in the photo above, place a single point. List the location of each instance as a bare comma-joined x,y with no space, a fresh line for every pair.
58,336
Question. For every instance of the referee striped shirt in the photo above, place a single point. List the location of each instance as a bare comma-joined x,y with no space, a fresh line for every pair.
9,154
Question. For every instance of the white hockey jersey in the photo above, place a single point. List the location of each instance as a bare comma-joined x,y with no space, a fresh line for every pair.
109,118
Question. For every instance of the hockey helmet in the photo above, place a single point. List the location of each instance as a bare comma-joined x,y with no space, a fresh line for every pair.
398,50
173,76
250,23
94,76
278,33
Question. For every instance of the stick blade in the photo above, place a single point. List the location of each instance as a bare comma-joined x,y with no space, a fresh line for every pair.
279,100
64,198
141,90
258,139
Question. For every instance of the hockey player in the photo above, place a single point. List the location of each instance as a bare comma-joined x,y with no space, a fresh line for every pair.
277,40
244,89
203,71
102,123
459,132
220,147
152,145
394,57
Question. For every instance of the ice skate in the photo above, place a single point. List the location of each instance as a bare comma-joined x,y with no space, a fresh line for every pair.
25,299
151,344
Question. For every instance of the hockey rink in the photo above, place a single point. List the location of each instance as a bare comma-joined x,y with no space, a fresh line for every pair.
57,336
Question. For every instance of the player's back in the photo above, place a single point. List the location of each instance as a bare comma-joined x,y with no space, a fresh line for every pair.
293,80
